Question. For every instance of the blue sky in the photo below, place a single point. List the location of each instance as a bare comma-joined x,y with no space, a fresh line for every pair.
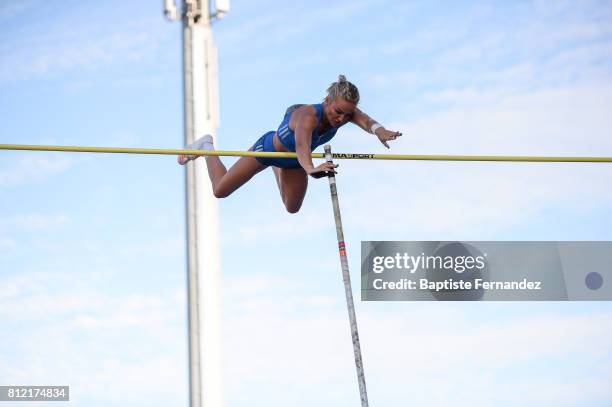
92,276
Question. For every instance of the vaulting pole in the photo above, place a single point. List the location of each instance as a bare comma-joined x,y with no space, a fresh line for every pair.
347,282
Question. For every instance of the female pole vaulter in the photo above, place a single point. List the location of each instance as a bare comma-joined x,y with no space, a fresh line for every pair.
304,128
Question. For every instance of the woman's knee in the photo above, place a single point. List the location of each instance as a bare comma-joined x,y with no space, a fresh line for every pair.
293,205
295,208
221,192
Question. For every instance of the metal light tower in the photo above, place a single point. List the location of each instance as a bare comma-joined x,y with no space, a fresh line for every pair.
201,117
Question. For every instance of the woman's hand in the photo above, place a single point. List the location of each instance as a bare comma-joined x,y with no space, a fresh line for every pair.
322,170
385,135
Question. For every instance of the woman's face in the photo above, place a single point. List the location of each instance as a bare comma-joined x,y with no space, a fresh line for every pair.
339,111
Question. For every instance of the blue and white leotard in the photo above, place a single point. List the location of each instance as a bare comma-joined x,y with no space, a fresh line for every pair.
287,138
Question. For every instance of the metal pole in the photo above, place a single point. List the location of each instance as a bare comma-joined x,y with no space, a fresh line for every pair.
203,251
347,282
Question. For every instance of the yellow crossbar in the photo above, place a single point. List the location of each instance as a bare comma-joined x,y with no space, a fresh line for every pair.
410,157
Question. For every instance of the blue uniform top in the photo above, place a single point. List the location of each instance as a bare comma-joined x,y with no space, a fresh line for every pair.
287,136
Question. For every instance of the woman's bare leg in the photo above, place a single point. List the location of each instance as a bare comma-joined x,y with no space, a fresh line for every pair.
223,181
292,184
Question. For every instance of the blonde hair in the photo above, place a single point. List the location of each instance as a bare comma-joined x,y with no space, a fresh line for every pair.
344,89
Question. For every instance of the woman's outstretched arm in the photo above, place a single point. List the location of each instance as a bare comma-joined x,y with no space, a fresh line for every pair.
370,125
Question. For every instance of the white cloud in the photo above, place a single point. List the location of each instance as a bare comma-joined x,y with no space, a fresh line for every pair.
15,8
249,231
41,51
34,221
272,28
7,243
33,167
478,363
554,46
71,333
169,246
569,120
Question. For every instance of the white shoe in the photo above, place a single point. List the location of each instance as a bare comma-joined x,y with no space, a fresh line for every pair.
203,143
